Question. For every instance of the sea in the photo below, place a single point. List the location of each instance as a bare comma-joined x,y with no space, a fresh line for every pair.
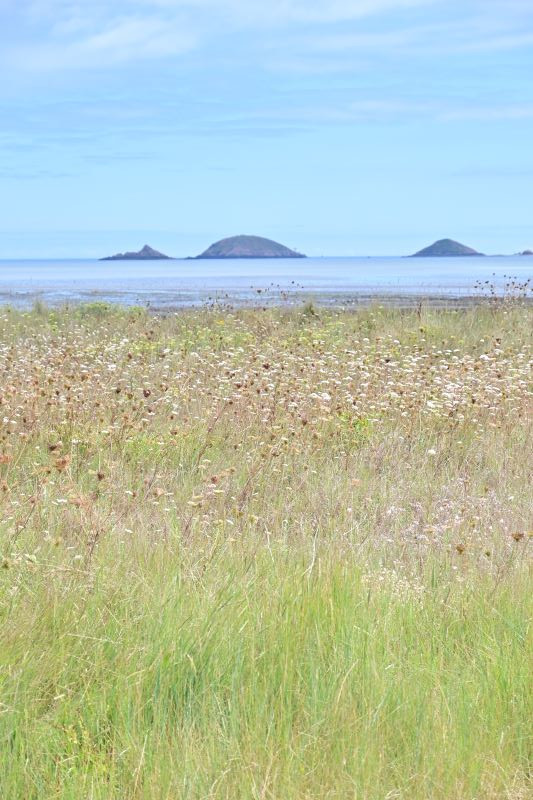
343,282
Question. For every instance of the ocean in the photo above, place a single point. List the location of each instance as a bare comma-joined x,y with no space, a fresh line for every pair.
173,284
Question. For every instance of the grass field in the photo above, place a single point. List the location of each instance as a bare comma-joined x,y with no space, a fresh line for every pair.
271,554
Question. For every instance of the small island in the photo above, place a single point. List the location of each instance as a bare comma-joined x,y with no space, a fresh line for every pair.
249,247
446,248
526,253
147,253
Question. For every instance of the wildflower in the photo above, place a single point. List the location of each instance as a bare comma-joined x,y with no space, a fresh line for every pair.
62,463
79,502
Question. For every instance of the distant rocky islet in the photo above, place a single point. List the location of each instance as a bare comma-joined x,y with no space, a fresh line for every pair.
446,248
146,253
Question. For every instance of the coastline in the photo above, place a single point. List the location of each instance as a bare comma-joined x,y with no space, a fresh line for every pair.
264,299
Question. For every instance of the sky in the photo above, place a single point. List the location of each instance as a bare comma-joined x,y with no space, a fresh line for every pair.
338,127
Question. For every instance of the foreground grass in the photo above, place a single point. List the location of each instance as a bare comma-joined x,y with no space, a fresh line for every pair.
266,555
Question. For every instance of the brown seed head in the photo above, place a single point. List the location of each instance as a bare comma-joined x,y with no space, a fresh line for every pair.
62,463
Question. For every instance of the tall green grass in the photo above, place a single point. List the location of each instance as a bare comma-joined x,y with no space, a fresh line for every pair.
251,674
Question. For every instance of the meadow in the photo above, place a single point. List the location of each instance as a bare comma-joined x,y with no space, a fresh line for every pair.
274,554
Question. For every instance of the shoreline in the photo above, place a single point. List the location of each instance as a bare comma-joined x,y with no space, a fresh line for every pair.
264,299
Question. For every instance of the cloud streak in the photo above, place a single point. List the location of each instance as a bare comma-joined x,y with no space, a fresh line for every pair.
489,113
66,34
60,35
121,42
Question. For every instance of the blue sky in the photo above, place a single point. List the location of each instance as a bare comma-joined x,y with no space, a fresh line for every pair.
341,127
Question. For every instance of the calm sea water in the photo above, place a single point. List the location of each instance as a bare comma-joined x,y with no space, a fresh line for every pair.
172,284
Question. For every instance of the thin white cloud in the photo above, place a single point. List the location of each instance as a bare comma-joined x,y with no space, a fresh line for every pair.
70,34
346,41
281,12
56,34
511,41
469,35
276,12
346,110
122,41
489,113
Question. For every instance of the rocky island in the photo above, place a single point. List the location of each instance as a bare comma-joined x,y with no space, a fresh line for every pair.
527,253
146,254
249,247
446,248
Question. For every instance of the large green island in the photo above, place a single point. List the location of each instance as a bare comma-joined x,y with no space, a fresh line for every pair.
249,247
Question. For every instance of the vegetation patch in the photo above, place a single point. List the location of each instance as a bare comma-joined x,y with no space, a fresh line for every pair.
266,554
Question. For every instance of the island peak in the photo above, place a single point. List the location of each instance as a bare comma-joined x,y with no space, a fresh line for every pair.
446,248
146,253
249,247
